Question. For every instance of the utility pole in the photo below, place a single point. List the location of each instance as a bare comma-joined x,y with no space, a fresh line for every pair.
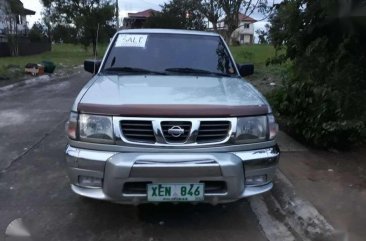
117,15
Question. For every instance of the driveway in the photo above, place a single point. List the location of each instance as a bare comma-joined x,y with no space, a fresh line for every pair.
34,185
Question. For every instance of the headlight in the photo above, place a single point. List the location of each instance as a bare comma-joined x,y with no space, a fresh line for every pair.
251,129
96,128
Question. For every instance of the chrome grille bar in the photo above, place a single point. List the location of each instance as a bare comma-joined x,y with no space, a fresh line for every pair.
155,131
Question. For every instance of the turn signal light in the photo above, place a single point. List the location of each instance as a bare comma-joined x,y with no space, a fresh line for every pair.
71,126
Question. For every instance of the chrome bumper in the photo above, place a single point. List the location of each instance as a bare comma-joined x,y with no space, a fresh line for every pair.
224,174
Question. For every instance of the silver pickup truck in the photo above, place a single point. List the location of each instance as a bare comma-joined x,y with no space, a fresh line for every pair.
167,117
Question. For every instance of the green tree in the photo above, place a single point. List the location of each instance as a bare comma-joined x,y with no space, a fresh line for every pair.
65,34
88,16
323,97
37,33
232,8
164,21
47,19
212,10
185,14
263,34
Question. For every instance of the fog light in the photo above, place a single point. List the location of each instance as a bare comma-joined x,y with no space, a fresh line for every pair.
256,180
90,181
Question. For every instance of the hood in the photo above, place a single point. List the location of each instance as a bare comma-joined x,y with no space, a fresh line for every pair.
172,96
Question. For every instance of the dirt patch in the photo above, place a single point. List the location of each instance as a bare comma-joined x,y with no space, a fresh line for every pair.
267,78
16,74
347,167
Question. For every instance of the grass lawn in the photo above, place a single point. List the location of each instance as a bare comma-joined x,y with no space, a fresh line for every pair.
256,53
265,78
63,55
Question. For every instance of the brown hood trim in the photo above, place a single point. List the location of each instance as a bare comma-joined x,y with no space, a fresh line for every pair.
173,110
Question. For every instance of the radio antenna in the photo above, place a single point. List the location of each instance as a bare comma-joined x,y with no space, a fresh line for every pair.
96,48
117,16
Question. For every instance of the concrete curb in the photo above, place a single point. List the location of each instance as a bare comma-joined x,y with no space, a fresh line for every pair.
284,216
270,220
284,207
300,214
37,80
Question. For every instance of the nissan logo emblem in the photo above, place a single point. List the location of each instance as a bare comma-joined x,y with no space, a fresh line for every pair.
176,131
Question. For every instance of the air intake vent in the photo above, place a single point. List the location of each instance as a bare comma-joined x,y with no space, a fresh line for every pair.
138,131
213,131
176,131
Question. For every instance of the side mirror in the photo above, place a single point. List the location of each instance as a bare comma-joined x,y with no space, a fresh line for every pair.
92,66
245,69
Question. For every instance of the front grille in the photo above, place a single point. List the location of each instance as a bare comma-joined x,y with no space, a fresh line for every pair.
185,125
213,131
138,131
174,132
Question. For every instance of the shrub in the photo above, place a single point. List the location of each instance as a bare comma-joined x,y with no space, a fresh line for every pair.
323,99
37,33
315,115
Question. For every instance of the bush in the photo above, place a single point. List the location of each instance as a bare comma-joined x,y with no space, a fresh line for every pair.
315,116
37,33
323,99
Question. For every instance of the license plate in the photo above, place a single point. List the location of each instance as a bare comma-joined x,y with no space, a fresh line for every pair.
175,192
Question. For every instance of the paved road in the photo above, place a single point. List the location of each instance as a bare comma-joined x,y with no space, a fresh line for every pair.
34,185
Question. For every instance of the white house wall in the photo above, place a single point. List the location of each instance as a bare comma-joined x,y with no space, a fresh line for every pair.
3,6
247,39
3,15
241,28
249,30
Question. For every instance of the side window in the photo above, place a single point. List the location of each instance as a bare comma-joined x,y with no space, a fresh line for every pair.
224,63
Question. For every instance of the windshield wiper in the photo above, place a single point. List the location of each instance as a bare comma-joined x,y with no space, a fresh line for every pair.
195,71
132,70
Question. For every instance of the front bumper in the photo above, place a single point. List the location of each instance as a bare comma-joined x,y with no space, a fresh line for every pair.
124,176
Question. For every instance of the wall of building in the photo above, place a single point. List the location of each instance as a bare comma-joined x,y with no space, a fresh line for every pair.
22,27
245,30
247,39
3,5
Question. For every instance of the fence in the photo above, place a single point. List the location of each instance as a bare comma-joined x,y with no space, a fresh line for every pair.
25,48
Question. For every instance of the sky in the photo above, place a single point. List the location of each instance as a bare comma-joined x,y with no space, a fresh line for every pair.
125,6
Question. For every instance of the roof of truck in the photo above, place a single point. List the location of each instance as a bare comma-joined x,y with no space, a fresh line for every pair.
168,31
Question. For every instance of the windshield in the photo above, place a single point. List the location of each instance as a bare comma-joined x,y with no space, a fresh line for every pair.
169,54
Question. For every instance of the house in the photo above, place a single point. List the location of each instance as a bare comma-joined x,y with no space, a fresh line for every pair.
13,18
137,20
244,34
14,39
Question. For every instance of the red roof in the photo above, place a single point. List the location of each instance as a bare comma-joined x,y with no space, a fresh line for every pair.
243,17
144,14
